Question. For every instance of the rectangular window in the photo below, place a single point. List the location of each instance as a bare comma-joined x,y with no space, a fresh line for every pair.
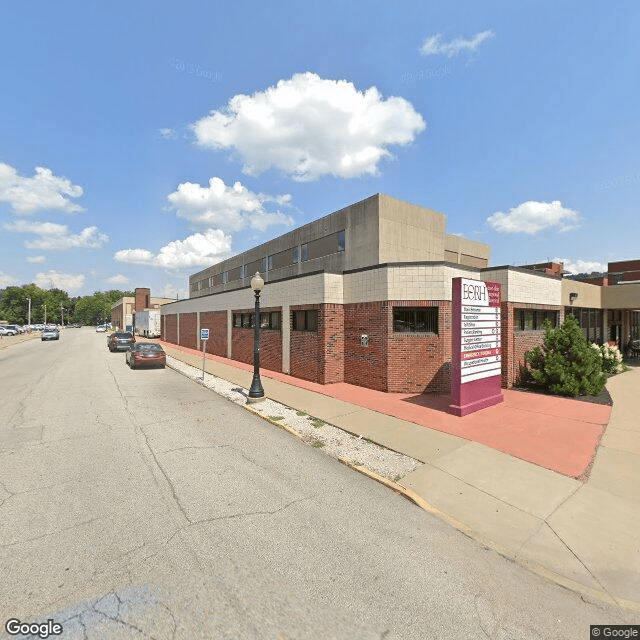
415,320
304,249
528,320
243,271
295,255
533,319
306,320
237,320
225,277
263,265
341,240
246,320
270,320
270,263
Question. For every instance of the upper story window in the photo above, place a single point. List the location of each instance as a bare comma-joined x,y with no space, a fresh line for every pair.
415,320
263,265
225,277
269,262
341,240
304,252
295,255
243,271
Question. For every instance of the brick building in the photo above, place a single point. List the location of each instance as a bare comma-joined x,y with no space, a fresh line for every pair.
362,296
123,310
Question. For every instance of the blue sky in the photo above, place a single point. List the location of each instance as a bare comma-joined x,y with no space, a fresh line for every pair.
143,141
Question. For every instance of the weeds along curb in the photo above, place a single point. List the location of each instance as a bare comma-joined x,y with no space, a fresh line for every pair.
595,596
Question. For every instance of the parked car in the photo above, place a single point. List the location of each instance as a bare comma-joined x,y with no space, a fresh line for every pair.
146,354
6,332
120,341
101,328
50,333
12,329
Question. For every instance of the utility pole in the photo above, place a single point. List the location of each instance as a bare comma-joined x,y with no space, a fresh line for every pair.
45,314
29,315
61,314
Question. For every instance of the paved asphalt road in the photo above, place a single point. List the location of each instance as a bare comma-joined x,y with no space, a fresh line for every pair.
136,504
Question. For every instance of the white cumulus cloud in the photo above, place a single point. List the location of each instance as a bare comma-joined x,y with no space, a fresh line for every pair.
57,237
42,192
228,208
582,266
53,279
172,290
117,279
199,249
310,126
6,280
531,217
434,45
36,259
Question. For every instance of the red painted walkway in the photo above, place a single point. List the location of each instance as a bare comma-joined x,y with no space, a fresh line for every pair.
555,433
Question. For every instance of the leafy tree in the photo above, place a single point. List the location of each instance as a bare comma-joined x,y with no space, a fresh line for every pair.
96,309
14,304
566,364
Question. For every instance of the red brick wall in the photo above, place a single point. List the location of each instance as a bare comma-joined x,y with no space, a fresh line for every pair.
396,362
216,322
420,363
516,343
189,330
366,366
331,329
141,300
270,344
306,349
116,316
171,328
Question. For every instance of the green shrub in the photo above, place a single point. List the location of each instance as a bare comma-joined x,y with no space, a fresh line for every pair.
566,364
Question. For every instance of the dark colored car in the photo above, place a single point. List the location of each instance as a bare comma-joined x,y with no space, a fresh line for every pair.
146,354
50,333
120,341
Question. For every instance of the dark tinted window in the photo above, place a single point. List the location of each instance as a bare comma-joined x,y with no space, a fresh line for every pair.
123,334
415,319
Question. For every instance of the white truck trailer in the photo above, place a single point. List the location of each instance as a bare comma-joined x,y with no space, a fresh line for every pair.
148,323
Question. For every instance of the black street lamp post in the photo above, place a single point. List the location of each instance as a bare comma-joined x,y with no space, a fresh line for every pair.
256,392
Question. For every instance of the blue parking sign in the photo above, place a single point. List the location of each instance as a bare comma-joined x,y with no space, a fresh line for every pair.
204,334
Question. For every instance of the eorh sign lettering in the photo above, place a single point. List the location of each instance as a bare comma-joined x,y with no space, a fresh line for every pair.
476,361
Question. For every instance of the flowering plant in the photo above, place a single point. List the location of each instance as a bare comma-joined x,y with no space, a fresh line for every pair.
611,358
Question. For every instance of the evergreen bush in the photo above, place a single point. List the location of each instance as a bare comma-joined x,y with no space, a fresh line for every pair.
566,364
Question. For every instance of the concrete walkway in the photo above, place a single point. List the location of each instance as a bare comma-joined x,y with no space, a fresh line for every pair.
552,483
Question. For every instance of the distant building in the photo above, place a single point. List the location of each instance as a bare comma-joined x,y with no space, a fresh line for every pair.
123,310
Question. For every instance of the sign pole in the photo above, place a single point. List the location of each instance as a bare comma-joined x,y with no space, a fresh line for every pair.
204,336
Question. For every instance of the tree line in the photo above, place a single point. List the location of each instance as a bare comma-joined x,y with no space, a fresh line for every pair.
55,306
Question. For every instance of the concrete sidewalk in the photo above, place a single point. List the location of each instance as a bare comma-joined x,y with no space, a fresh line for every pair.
520,477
